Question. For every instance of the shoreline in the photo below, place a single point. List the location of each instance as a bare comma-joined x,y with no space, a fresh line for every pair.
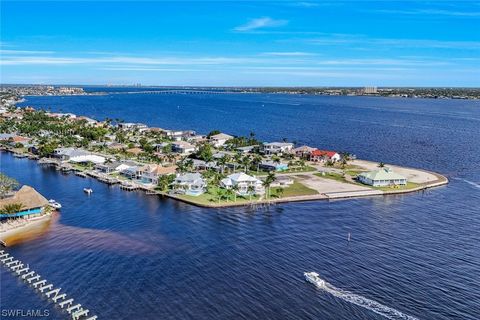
27,231
365,191
442,181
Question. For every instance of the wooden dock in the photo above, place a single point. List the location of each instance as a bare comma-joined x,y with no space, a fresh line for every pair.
48,291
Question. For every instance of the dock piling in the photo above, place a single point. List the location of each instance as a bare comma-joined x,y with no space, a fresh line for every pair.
23,271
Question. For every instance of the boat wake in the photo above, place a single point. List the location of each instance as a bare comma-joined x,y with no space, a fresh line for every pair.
378,308
473,184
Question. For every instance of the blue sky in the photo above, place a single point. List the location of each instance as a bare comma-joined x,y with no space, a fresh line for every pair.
242,43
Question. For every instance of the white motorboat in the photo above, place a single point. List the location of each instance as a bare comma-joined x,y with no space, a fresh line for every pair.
314,278
87,190
54,204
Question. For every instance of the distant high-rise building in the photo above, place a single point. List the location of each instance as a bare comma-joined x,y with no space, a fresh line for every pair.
370,90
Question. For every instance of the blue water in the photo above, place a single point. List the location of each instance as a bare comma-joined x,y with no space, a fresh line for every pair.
131,256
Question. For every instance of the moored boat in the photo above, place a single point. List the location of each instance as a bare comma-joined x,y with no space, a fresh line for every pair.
54,204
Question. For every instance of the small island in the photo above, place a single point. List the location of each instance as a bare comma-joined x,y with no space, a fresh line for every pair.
213,170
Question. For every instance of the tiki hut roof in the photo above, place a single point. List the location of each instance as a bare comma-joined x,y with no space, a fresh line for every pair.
28,197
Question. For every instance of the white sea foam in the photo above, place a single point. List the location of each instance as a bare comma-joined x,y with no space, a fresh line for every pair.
474,184
378,308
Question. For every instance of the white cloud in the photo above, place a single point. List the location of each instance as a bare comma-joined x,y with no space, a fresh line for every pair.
288,53
4,51
259,23
433,12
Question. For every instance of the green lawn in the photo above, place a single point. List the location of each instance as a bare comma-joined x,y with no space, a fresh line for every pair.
296,189
210,197
332,175
410,185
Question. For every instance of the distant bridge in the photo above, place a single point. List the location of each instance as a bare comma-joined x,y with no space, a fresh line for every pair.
178,91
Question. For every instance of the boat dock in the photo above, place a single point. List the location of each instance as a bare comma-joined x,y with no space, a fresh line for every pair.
46,290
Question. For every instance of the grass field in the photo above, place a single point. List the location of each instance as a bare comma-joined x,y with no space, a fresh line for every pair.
211,197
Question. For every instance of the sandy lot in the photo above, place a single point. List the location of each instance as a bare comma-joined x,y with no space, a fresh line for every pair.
324,185
413,175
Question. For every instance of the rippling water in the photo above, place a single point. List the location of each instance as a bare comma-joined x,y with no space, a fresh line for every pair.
131,256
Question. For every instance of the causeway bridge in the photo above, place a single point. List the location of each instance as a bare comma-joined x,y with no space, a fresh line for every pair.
23,271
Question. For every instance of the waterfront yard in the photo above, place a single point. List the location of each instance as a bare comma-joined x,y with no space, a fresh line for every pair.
217,196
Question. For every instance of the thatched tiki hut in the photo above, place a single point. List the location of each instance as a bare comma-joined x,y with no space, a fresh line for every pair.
25,203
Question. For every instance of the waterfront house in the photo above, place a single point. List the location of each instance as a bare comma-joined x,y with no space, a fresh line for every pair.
191,184
108,167
220,139
89,121
247,149
129,126
65,154
324,155
382,177
178,135
32,203
196,139
277,147
183,147
303,151
150,173
242,182
269,165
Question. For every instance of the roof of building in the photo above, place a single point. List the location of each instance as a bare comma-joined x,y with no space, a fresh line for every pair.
71,152
183,144
241,177
273,164
221,136
27,196
134,151
304,149
189,177
157,169
382,174
279,144
319,153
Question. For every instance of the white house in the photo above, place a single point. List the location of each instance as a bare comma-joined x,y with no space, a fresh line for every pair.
277,147
191,184
183,147
382,178
220,139
243,181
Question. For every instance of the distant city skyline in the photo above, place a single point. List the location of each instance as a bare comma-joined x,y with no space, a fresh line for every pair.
265,43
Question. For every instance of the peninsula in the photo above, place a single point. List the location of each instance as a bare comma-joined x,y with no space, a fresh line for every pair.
213,170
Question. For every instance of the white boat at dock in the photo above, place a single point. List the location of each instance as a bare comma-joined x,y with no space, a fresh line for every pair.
87,190
81,174
54,204
315,279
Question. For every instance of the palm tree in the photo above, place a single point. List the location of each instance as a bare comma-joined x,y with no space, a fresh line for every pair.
235,189
381,165
222,162
257,159
245,162
279,192
251,191
11,208
268,181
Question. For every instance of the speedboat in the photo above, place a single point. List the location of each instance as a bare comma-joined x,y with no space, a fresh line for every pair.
314,278
87,190
54,204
